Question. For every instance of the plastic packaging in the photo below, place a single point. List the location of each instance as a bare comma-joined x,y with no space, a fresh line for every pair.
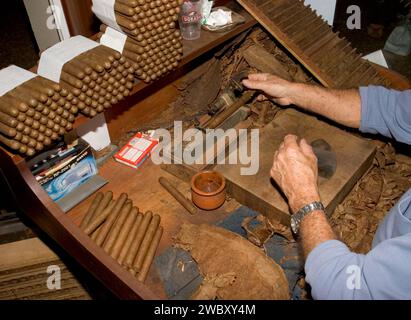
190,19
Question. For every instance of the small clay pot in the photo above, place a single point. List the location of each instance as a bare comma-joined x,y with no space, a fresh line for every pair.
208,190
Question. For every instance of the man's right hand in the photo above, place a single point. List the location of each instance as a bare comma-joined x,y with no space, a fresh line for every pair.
279,89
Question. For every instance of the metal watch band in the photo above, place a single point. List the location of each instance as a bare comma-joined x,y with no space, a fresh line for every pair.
304,211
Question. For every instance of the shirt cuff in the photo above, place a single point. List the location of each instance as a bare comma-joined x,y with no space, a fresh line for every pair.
365,114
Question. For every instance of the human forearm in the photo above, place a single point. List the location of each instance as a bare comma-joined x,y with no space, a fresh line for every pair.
341,106
314,230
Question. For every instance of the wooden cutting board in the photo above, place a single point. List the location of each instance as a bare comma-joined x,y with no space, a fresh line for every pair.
354,157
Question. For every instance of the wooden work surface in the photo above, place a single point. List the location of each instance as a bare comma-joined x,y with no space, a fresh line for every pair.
354,156
143,188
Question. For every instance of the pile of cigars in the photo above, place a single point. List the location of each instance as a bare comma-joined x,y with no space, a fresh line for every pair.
99,78
154,44
128,236
34,114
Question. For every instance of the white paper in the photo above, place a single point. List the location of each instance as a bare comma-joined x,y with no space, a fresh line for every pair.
324,8
95,132
104,10
13,76
219,18
53,59
114,39
378,58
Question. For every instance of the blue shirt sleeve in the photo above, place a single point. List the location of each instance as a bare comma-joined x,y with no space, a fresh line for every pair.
387,112
334,272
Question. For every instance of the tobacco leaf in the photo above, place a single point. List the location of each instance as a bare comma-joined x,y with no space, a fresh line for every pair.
233,267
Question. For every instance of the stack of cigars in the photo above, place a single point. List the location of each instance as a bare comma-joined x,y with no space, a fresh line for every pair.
34,114
154,43
99,78
128,236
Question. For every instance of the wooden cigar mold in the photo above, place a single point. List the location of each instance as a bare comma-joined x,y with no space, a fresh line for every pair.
128,236
154,44
30,119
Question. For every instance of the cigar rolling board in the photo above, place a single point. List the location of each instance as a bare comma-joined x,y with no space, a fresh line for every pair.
145,100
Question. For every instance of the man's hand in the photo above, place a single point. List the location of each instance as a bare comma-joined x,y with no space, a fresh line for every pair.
295,171
279,89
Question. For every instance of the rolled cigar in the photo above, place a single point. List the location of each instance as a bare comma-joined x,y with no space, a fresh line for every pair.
109,52
92,210
12,144
177,195
148,260
78,64
130,238
145,244
74,71
131,255
8,120
124,9
130,3
97,232
98,68
72,81
123,234
7,131
100,59
111,218
98,220
36,85
41,97
14,102
8,109
118,226
23,96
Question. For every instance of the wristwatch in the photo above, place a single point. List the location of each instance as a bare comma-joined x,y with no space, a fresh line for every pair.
306,210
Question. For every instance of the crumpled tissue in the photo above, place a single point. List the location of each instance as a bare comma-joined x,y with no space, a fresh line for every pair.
219,18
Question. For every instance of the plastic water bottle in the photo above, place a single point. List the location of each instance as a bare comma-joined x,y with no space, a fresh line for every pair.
190,19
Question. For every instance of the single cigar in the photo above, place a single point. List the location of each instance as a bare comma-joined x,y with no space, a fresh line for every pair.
124,9
111,218
130,238
7,131
12,144
96,233
95,223
14,103
124,232
94,65
8,109
8,120
92,210
41,97
23,96
74,71
109,52
72,81
151,252
131,255
178,195
34,84
145,244
117,226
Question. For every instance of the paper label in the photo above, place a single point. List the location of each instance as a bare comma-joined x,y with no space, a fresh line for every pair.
53,59
95,132
13,76
114,39
104,10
